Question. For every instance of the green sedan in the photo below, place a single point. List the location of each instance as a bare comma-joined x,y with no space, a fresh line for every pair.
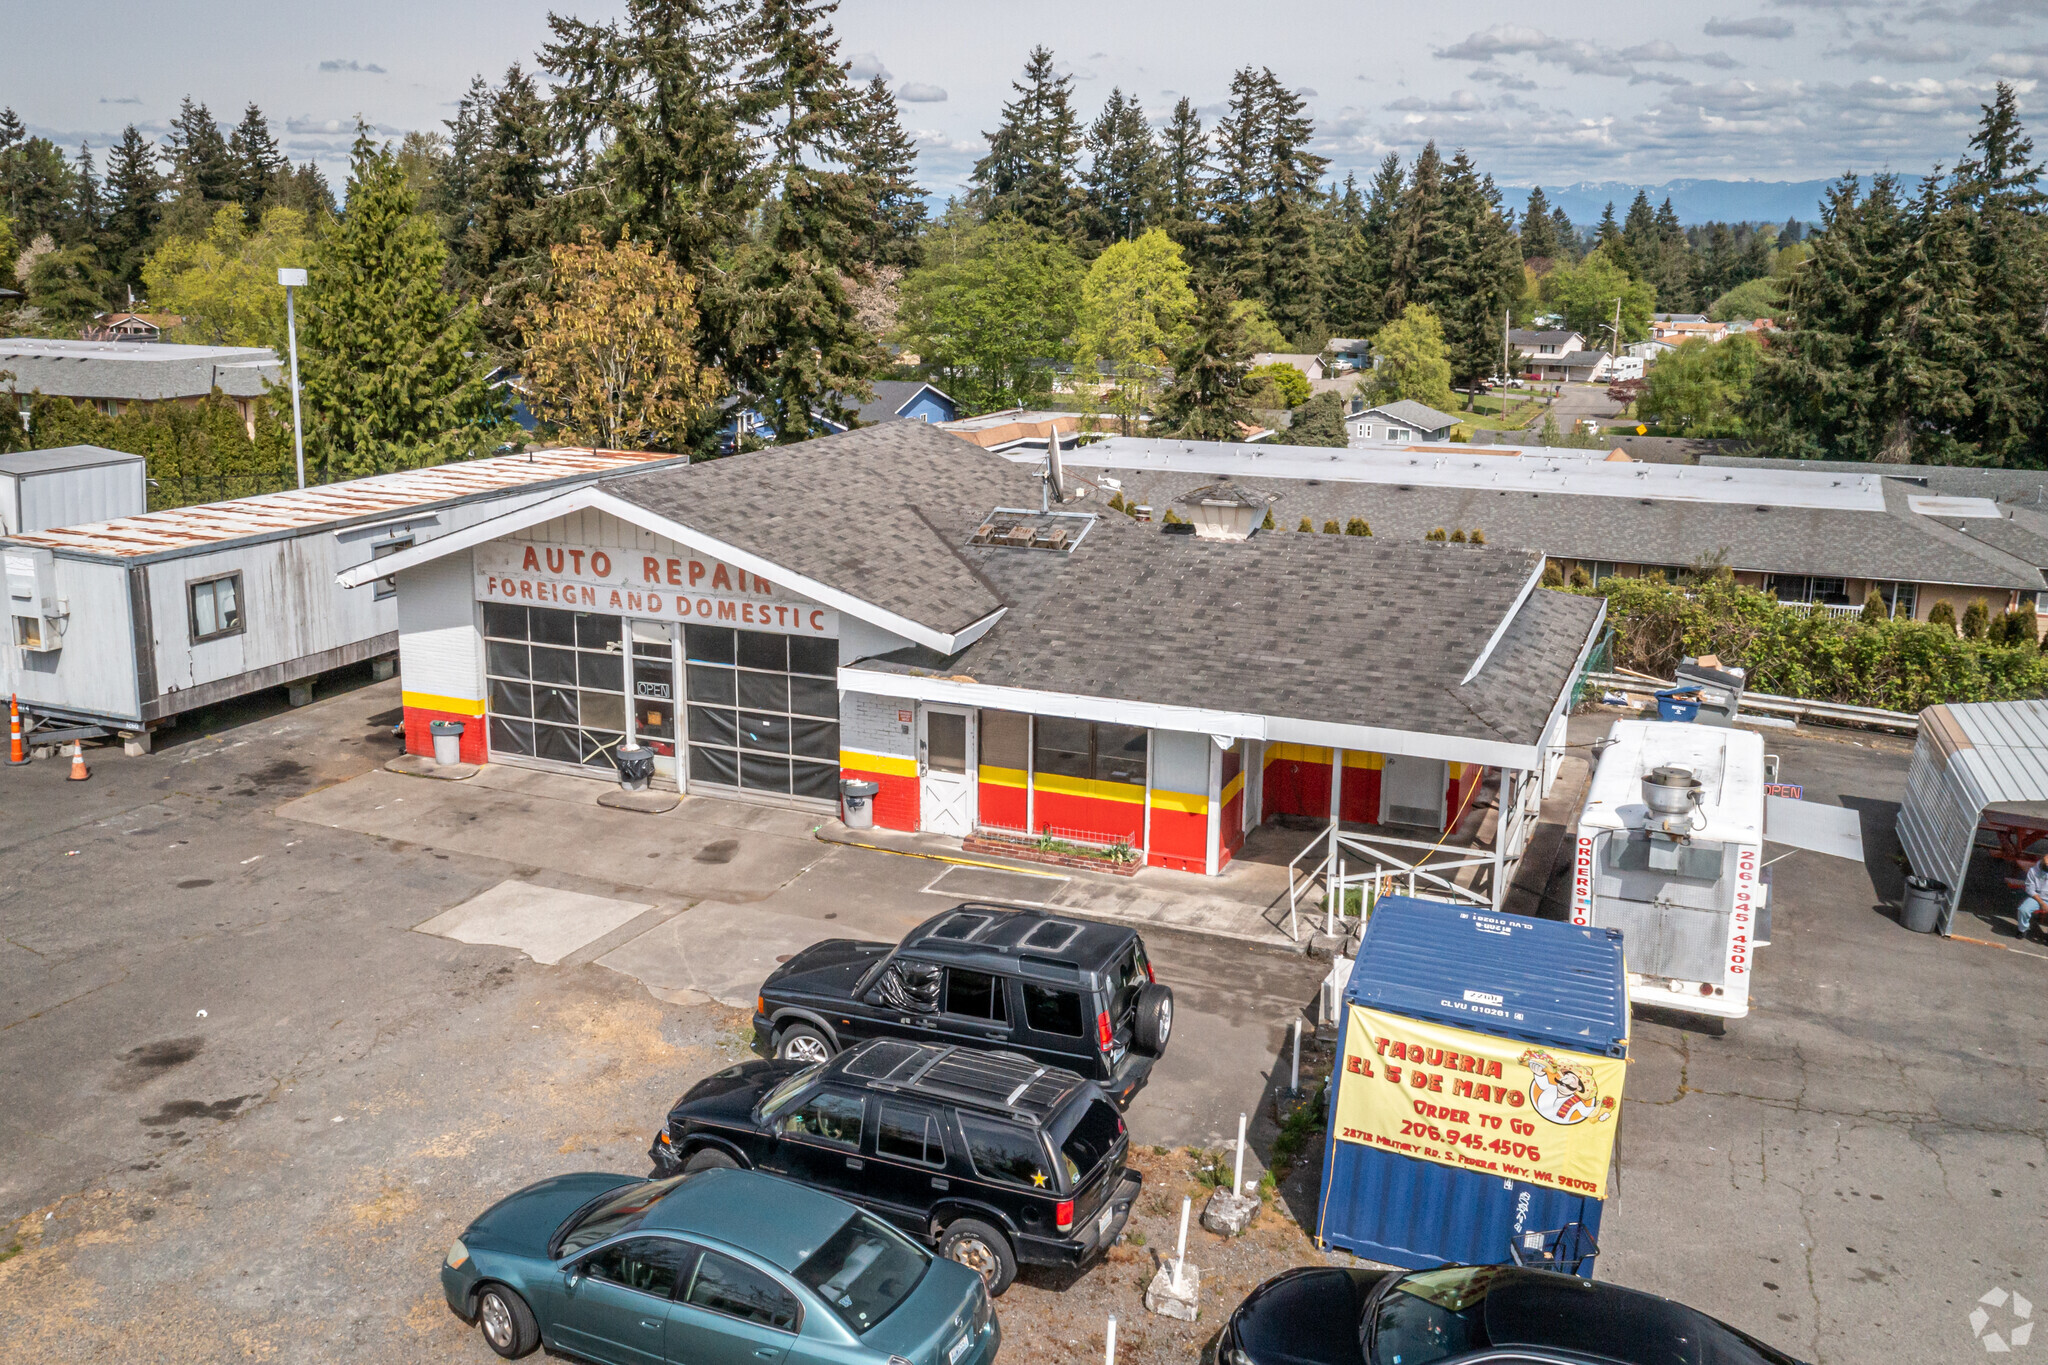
722,1267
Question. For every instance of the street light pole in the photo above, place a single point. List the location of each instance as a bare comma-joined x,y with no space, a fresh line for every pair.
294,278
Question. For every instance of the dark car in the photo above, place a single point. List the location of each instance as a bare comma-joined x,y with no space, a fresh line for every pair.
1326,1315
990,1157
718,1266
1064,992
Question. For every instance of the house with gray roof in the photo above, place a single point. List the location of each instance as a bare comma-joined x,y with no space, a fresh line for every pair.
115,376
1398,422
993,652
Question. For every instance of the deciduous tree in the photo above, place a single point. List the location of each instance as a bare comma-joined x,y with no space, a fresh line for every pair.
224,285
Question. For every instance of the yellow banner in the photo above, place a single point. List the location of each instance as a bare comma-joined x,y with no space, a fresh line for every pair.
1542,1115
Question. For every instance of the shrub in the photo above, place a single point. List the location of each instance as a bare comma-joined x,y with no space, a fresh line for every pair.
1458,536
1437,534
1267,524
1977,619
1357,526
1478,537
1330,527
1873,608
1942,614
2021,626
1898,664
1580,578
1553,577
1306,525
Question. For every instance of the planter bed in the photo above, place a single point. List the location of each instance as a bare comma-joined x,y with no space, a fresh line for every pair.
1064,855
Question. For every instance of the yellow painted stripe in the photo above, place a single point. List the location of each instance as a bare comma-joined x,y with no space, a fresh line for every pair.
889,765
1084,786
1359,759
1296,753
1003,777
428,701
1232,788
1186,803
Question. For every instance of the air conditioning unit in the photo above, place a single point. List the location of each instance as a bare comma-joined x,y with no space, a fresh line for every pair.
32,599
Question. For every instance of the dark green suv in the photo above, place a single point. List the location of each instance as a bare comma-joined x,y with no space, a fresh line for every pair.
1065,992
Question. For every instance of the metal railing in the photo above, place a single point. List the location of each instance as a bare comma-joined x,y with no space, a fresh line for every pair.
1769,704
1383,866
1842,610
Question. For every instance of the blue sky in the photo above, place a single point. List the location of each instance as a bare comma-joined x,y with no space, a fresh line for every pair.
1757,89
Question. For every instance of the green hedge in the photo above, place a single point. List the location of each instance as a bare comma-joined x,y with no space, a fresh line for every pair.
1898,665
199,452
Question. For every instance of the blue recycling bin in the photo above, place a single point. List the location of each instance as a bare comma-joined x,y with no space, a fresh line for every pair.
1678,703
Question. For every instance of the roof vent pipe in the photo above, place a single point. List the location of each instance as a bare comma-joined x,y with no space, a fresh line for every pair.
1055,475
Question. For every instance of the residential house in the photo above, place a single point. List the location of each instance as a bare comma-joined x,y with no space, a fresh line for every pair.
1399,421
1682,329
1649,351
1349,353
1017,432
115,376
1310,365
895,400
1545,345
1571,367
130,326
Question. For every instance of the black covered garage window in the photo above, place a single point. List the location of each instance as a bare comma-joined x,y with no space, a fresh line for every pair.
557,684
1091,749
763,711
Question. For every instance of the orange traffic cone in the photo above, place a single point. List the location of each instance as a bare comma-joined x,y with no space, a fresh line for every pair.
78,772
16,754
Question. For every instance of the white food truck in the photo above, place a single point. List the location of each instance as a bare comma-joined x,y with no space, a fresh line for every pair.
1670,851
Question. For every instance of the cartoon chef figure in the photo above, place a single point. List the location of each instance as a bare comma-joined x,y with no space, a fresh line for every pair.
1561,1093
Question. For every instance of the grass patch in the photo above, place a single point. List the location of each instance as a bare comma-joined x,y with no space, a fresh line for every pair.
12,1250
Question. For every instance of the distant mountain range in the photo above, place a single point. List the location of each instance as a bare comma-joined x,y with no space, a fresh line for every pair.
1695,201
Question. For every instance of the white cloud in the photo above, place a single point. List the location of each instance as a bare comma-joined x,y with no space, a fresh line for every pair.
2028,63
1897,47
1658,50
866,66
1759,27
1984,13
125,99
917,92
365,68
1507,80
1459,101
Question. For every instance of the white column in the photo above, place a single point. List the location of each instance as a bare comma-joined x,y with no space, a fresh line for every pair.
1215,789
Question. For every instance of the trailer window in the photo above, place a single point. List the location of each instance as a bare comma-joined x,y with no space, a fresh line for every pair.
1699,863
216,605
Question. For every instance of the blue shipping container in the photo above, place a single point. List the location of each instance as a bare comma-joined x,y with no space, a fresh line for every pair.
1540,982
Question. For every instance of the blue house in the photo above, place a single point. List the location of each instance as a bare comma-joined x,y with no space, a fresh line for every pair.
895,400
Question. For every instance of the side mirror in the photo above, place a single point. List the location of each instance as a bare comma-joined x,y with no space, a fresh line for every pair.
575,1275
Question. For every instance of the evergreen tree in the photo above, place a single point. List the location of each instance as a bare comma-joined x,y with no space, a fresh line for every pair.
793,341
306,190
1362,290
1641,240
87,209
884,159
134,194
35,187
1319,422
1539,233
1266,203
1935,346
1565,231
390,368
1184,177
1672,274
1475,284
257,162
1609,231
201,165
494,201
1029,169
1997,187
1206,401
1121,187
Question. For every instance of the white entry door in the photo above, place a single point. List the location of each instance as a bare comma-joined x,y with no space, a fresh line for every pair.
946,770
1412,791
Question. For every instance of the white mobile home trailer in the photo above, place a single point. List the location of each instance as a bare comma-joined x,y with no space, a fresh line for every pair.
126,623
69,486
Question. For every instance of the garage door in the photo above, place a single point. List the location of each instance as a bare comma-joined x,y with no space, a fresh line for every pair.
763,713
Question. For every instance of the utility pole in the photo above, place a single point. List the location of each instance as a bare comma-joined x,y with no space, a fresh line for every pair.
1506,322
294,278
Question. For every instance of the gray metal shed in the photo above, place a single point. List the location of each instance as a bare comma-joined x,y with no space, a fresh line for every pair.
1971,757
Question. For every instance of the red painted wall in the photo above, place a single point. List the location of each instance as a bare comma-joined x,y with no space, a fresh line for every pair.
1179,839
1361,799
1093,816
1003,805
420,740
1297,787
896,804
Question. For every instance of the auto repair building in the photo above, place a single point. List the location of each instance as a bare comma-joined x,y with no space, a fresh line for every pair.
990,645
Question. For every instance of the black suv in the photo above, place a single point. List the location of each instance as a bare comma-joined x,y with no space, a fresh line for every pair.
1064,992
990,1157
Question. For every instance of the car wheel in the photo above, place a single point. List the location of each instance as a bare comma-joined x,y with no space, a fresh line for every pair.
506,1322
709,1159
982,1249
802,1043
1155,1020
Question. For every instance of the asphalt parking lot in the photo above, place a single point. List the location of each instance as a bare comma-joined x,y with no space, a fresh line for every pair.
1844,1173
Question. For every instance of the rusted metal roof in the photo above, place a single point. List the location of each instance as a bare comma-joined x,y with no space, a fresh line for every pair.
330,504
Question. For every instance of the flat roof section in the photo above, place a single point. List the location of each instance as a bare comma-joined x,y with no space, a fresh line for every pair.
212,523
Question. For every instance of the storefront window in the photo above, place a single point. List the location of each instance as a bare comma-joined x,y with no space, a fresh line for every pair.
1005,740
1094,750
763,711
557,684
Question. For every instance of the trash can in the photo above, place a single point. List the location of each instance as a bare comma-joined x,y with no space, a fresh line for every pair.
447,742
1925,899
859,801
636,767
1678,703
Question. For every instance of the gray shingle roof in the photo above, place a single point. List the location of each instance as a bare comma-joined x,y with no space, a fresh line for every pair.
1340,629
1336,629
135,370
1522,337
1575,358
1895,543
1415,414
891,397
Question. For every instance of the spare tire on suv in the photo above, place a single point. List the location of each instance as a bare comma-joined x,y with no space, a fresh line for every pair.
1154,1023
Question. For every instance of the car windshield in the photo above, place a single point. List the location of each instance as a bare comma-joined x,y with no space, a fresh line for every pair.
864,1271
778,1099
619,1211
1096,1131
1429,1316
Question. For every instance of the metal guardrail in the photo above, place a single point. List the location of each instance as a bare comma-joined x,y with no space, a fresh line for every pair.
1765,703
